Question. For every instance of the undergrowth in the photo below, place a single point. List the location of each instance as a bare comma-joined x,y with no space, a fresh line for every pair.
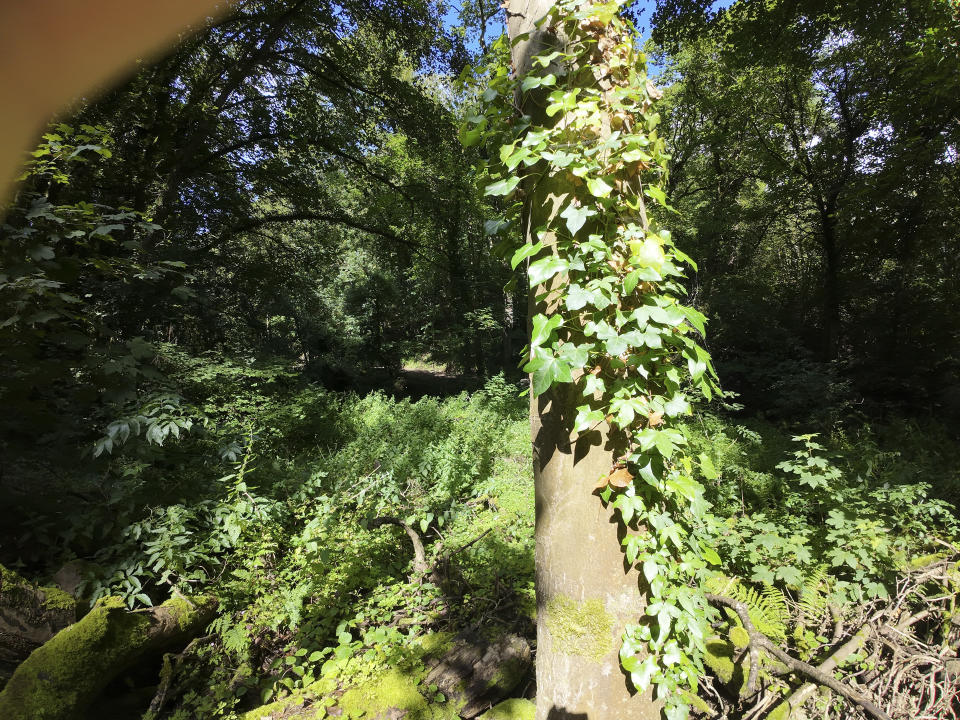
269,500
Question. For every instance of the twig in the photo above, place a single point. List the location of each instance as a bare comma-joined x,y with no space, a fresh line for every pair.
759,640
466,545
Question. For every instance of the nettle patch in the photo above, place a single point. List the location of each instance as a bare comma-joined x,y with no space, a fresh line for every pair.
615,328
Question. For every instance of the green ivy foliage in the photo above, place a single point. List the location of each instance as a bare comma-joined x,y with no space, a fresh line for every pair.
615,326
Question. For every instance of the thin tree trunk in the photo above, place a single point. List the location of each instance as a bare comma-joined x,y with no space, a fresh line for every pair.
831,282
585,594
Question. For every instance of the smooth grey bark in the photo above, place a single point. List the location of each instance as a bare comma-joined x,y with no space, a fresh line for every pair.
586,593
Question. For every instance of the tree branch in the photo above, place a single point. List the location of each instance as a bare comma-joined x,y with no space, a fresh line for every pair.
420,565
759,640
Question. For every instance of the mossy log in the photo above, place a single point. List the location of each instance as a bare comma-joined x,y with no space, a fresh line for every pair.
477,675
64,675
511,709
29,616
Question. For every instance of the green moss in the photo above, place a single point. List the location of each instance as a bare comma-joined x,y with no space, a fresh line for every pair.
17,591
511,709
392,690
435,644
780,712
508,675
48,683
585,629
182,609
697,703
56,599
274,709
921,561
719,658
739,637
65,674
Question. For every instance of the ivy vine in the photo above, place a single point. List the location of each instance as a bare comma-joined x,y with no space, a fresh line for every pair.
609,276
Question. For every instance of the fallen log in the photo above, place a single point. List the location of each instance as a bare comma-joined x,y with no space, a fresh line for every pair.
60,679
29,616
476,675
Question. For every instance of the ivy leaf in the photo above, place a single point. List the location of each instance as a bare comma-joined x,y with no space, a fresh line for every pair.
671,654
545,268
586,419
503,187
594,384
683,485
664,445
710,555
630,662
598,188
576,217
677,405
656,193
676,712
470,137
534,81
575,355
695,318
642,676
648,252
564,101
543,327
621,478
492,227
646,472
630,282
524,252
577,297
558,159
650,569
615,346
544,60
549,371
515,157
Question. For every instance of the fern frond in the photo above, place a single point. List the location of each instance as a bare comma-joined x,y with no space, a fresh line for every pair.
814,601
767,607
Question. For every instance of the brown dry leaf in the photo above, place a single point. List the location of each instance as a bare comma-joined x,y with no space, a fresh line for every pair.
620,478
596,371
653,91
655,419
601,483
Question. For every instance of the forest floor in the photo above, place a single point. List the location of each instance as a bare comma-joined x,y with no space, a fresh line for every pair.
296,506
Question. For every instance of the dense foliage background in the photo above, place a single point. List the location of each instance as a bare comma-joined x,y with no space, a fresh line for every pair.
225,284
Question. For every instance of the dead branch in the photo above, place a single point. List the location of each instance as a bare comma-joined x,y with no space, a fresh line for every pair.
759,640
420,564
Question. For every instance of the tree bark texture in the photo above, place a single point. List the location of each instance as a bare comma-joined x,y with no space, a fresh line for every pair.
586,593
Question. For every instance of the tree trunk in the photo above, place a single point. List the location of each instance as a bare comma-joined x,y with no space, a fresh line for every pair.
585,592
831,282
